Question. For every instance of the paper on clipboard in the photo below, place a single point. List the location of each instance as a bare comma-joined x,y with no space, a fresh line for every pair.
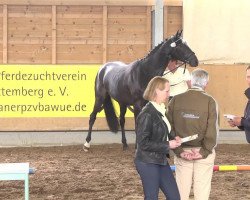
189,138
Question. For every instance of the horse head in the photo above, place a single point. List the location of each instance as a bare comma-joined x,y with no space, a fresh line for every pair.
181,51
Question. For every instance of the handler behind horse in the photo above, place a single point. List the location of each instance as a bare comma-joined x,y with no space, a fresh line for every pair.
154,141
178,77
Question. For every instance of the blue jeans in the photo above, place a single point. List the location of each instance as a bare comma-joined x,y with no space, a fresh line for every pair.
155,177
247,136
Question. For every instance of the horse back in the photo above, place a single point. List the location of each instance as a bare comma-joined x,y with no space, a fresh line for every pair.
115,78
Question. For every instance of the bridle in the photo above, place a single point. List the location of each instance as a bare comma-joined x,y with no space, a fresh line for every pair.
174,44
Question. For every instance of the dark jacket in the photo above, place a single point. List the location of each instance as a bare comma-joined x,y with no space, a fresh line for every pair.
151,136
245,121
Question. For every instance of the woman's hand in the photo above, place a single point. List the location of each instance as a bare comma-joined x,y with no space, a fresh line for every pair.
236,121
178,139
231,123
175,143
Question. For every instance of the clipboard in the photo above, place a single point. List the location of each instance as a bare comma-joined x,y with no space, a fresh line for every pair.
189,138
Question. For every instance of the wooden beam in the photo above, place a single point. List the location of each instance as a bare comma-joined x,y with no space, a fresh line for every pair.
173,2
148,31
80,2
165,22
53,34
105,34
5,34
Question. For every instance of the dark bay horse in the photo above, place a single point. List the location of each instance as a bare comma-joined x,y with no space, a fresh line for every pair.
126,83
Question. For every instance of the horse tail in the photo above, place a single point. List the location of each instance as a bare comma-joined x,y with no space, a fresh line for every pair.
111,117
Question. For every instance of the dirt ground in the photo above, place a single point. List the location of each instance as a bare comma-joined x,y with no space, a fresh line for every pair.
107,172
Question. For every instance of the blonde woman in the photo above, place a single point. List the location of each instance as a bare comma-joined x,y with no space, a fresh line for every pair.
154,142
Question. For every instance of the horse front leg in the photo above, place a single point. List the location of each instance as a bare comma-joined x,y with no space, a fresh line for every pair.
138,107
123,110
136,113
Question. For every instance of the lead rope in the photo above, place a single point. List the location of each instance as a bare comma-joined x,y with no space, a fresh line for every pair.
185,68
175,69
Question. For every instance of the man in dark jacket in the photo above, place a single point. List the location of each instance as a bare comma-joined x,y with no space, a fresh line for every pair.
243,123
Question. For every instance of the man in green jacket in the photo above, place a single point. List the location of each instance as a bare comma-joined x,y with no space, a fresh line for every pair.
194,113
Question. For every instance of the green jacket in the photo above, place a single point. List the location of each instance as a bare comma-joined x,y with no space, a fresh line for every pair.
194,112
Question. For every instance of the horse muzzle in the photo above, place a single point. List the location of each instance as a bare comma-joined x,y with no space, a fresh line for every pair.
192,60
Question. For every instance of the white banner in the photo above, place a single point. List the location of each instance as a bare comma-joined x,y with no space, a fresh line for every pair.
218,30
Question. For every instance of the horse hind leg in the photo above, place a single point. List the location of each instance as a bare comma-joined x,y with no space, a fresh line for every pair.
97,108
123,109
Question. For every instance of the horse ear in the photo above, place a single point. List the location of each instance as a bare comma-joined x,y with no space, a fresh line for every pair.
181,32
178,34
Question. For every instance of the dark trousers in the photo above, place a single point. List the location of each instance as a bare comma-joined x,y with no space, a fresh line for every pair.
155,177
248,136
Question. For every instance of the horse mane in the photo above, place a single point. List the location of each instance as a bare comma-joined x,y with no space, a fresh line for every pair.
153,50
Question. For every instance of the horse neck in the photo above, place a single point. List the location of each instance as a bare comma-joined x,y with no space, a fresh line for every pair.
155,64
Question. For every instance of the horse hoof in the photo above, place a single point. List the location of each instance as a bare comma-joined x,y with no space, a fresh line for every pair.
125,148
86,147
